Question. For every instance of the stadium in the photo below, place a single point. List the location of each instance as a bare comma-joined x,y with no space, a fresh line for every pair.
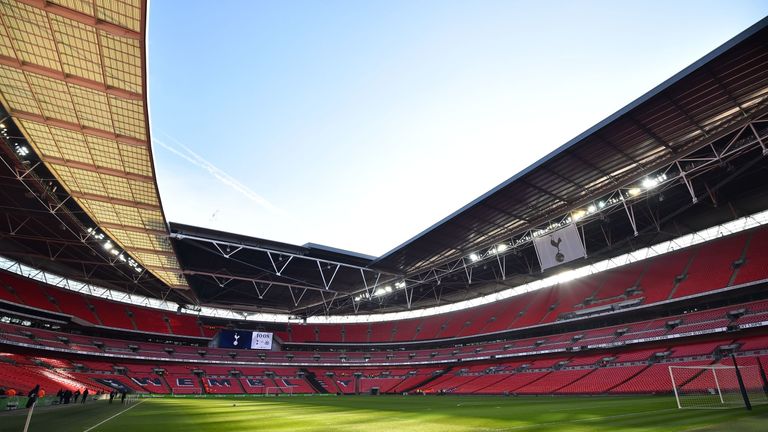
619,283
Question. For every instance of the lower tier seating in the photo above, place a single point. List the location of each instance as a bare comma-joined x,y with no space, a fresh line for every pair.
617,371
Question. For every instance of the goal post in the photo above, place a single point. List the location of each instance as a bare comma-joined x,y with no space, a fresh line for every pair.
277,391
717,386
187,391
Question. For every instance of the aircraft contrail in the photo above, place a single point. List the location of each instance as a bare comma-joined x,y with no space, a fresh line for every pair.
190,156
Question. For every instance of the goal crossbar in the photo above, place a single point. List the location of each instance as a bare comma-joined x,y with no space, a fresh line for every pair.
717,386
275,391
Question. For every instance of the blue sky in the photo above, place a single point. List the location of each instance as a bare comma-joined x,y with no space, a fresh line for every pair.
358,124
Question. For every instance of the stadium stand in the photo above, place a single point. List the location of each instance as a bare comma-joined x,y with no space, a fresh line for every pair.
691,271
609,332
534,353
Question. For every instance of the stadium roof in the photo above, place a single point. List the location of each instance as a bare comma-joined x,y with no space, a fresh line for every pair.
690,109
72,78
696,115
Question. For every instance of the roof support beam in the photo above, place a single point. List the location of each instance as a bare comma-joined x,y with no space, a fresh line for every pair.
544,191
687,116
22,115
59,259
566,179
251,280
98,169
506,212
652,135
591,165
131,228
165,269
83,18
613,146
153,251
68,78
111,200
725,90
269,252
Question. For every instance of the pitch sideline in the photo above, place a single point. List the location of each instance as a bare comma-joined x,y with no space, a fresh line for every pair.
110,418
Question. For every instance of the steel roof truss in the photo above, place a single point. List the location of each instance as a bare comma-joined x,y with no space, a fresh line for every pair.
676,173
293,296
280,257
260,293
759,139
269,252
326,283
229,251
53,210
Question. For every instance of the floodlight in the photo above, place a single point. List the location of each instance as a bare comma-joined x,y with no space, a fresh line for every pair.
22,150
474,257
634,191
501,247
649,183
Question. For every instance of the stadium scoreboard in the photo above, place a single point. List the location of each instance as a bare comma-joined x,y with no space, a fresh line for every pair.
245,339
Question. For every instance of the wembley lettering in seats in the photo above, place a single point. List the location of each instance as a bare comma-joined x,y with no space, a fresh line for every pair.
113,383
219,382
254,382
184,382
146,381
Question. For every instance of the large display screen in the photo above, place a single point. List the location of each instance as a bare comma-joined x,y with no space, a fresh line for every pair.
242,339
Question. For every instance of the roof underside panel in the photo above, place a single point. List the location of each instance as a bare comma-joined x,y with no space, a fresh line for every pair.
72,77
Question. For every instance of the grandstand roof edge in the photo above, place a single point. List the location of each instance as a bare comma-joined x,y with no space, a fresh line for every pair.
147,116
179,231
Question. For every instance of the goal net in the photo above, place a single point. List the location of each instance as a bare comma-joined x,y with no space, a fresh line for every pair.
707,387
276,391
131,398
178,391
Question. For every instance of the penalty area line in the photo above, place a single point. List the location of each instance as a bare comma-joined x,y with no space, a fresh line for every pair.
104,421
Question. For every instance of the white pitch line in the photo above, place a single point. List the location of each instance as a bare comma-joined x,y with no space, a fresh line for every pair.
104,421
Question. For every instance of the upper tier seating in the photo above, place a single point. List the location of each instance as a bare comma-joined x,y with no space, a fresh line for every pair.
689,271
718,264
97,311
755,259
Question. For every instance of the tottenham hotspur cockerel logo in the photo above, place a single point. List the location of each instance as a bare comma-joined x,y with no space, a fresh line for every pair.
237,336
559,257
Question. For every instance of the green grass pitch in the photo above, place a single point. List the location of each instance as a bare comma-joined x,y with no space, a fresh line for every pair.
389,413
